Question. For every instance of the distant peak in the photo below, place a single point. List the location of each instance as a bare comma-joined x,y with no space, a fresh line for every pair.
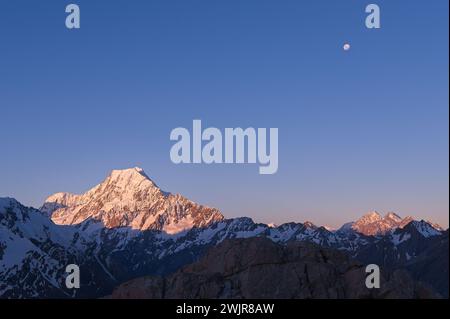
128,171
424,228
371,216
373,213
129,178
309,224
392,215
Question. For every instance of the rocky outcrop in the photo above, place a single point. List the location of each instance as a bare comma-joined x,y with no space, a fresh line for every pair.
259,268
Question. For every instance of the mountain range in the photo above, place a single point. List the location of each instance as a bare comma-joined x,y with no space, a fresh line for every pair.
127,227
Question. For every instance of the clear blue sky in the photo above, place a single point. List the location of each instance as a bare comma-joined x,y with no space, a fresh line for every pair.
359,130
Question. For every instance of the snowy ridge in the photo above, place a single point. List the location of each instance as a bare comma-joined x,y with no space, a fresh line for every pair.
27,235
127,227
33,251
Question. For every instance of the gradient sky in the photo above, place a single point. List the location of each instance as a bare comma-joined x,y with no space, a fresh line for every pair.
360,130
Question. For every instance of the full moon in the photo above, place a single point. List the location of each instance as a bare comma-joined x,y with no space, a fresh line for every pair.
346,46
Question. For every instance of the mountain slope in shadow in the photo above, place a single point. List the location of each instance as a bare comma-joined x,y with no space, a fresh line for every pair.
431,265
258,268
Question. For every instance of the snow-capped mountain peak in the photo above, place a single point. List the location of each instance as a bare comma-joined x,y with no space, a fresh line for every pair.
329,228
130,177
393,216
309,224
129,198
370,217
373,224
425,229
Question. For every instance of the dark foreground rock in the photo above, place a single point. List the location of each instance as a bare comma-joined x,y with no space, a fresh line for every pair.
259,268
